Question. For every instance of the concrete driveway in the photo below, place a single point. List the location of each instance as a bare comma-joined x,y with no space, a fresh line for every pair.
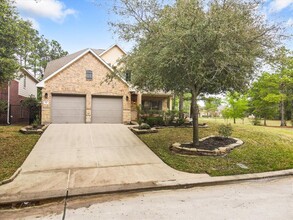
88,158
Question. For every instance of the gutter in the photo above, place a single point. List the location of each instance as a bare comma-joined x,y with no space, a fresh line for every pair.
8,102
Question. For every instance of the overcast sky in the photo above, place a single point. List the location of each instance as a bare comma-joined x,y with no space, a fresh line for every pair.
79,24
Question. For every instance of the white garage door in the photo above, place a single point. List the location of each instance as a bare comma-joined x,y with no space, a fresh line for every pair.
107,110
68,109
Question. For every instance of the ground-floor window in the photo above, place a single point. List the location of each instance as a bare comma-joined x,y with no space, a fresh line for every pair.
152,105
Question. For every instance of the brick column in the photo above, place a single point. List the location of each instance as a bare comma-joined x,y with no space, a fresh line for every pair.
88,107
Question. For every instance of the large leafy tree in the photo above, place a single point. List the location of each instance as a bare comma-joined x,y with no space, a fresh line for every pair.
9,41
264,96
237,106
56,50
202,46
43,52
284,73
28,40
21,45
274,91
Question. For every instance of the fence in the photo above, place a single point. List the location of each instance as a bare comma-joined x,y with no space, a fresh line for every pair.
21,115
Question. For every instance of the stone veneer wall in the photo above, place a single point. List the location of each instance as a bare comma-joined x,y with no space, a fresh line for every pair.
72,80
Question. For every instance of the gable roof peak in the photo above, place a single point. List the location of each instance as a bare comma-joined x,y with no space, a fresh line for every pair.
55,65
111,47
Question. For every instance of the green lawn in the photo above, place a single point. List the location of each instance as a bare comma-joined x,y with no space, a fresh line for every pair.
14,148
265,149
245,121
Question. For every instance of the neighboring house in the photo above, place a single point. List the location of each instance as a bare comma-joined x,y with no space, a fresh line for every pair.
23,86
76,89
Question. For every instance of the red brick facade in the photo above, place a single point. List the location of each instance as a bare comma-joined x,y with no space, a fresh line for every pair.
17,113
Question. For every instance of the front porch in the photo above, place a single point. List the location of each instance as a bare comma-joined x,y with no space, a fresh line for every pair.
149,102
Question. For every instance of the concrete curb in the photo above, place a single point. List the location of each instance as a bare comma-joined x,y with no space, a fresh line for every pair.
12,177
141,187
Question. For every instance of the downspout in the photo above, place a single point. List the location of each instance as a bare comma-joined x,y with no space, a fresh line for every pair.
8,103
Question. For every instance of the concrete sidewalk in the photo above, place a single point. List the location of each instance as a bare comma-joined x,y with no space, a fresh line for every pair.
98,158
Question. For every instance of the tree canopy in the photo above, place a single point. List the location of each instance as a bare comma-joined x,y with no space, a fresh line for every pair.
272,90
260,96
202,46
237,106
21,45
8,41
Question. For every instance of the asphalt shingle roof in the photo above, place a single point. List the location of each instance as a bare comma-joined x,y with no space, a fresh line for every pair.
55,65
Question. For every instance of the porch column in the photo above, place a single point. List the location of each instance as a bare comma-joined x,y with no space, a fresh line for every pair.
170,103
139,99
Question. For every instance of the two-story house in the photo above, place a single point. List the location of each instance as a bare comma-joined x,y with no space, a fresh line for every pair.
75,89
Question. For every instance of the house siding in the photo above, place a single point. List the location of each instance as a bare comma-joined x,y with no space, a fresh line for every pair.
72,80
30,87
112,55
17,113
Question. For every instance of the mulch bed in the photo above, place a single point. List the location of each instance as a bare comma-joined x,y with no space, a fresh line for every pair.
212,143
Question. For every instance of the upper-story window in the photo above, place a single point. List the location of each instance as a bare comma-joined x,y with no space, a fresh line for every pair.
24,81
128,75
89,75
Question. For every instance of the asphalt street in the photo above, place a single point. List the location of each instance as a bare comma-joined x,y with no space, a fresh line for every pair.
260,199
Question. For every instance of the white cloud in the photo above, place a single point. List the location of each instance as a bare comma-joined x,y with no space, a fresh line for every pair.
52,9
279,5
290,22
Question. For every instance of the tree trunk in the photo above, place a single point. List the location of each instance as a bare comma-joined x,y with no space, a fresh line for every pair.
283,122
265,121
181,100
292,113
174,101
234,119
194,107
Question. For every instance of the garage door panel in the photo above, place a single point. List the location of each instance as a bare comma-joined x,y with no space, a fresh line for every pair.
107,120
68,109
107,110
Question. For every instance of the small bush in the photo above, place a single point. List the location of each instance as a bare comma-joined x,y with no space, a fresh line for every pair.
180,121
170,116
225,130
256,121
154,121
139,121
30,102
144,126
3,107
36,122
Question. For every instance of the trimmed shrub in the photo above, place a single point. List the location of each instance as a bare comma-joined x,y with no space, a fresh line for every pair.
144,126
154,121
